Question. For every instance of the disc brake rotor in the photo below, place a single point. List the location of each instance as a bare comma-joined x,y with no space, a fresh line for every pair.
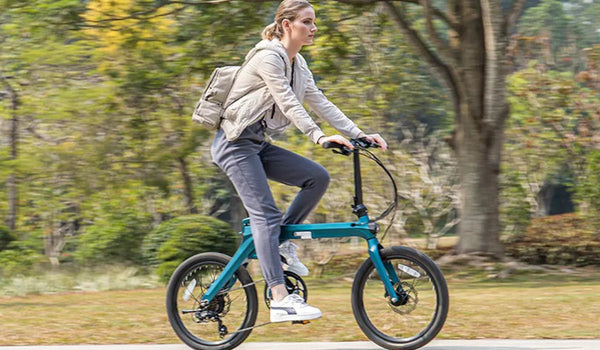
408,294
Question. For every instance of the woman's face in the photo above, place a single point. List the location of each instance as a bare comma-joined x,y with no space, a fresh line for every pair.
302,29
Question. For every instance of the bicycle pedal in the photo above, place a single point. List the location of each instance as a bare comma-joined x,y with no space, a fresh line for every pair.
301,322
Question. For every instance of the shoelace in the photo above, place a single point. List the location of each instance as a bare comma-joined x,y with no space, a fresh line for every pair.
289,249
295,298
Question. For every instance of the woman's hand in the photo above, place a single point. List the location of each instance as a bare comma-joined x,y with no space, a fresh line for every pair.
337,139
376,138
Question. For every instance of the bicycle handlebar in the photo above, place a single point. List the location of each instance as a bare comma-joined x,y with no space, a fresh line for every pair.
361,143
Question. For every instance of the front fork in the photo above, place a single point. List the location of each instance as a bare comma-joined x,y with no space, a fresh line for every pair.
386,271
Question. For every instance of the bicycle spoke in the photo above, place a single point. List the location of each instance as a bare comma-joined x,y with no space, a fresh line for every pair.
416,318
208,325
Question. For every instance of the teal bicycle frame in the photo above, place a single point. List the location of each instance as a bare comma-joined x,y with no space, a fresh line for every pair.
363,228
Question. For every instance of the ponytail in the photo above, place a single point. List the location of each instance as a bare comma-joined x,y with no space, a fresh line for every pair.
288,9
271,31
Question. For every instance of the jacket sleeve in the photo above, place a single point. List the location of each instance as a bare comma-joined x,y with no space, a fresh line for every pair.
271,70
316,100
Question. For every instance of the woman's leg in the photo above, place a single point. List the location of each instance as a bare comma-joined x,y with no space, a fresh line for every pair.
292,169
242,163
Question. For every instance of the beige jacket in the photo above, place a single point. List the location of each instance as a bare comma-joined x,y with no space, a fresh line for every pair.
264,82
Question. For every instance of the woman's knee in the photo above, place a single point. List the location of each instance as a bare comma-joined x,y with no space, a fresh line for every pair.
321,177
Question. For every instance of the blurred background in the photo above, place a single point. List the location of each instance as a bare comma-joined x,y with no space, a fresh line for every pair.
105,182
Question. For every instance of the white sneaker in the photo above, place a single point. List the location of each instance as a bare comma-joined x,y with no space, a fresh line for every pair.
287,249
293,308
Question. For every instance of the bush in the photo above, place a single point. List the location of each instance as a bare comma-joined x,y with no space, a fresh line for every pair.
19,262
175,240
557,240
114,237
6,237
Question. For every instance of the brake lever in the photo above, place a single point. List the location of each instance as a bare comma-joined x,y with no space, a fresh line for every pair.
344,152
364,143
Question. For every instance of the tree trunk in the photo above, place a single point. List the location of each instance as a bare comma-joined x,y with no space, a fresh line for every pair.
11,182
188,192
478,139
479,228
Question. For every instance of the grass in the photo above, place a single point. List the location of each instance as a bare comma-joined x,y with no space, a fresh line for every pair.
95,279
561,304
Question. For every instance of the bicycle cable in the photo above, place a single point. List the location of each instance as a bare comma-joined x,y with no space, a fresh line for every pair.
391,208
362,145
394,203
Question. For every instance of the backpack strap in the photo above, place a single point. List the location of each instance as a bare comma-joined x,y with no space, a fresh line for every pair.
248,58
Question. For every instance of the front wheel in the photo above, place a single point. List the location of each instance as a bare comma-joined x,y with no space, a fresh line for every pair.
224,322
420,313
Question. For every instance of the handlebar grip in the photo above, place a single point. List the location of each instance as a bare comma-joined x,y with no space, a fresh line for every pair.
329,144
334,145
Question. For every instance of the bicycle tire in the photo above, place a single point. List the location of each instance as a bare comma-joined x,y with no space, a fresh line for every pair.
195,331
398,327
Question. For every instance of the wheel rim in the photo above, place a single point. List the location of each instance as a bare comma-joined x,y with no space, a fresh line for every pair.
231,308
401,323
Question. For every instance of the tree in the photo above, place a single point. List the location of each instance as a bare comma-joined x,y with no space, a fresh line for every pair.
555,32
553,128
470,61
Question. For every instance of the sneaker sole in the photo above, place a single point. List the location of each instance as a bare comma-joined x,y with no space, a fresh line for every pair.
287,318
297,271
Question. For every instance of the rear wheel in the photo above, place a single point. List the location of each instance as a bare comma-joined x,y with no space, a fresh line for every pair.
213,326
417,317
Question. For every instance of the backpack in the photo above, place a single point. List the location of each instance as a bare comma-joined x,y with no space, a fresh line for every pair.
209,110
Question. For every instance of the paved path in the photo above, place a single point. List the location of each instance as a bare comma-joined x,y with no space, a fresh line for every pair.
483,344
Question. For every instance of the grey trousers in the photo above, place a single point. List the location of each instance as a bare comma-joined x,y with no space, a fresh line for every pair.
248,162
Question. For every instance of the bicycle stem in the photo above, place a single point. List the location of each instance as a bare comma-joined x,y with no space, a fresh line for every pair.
359,209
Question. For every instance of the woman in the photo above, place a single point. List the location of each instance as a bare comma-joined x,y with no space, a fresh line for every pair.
267,95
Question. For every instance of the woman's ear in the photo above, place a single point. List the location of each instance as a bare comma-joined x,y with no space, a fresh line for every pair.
286,24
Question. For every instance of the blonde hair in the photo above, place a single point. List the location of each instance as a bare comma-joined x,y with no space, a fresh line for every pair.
288,9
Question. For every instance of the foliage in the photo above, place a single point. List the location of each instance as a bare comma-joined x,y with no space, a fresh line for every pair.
116,233
515,209
552,127
555,32
19,262
588,189
6,236
561,239
175,240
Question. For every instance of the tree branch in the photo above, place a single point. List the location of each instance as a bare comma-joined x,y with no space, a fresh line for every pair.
441,46
496,41
437,12
417,42
513,16
142,15
14,97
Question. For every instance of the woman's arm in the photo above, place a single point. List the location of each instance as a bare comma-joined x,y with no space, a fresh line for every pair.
316,100
271,70
326,110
